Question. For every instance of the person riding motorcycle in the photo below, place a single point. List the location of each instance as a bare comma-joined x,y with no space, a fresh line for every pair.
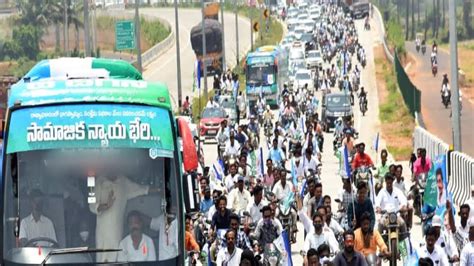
422,164
391,199
253,126
320,236
362,95
445,90
368,241
361,159
268,228
434,48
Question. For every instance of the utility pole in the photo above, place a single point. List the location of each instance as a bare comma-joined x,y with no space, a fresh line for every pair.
204,64
236,32
66,29
178,55
137,36
87,43
455,110
223,38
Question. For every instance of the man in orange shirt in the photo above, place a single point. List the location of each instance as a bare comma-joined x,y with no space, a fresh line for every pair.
366,241
190,242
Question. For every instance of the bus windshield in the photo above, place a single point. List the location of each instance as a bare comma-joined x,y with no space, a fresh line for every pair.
76,189
261,75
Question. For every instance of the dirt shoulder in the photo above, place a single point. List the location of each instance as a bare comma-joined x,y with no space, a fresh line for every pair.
396,122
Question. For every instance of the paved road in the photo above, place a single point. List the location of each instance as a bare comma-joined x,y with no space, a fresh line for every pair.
164,68
368,126
436,117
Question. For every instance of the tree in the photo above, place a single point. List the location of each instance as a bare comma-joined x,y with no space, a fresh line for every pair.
407,18
413,24
467,6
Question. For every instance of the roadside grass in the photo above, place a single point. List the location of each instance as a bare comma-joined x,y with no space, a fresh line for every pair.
396,122
271,37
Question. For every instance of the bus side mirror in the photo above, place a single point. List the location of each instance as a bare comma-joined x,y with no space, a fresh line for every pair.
190,157
192,199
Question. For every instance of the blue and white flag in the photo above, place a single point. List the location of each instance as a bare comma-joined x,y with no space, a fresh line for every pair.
372,190
347,165
303,189
376,142
293,173
218,168
282,243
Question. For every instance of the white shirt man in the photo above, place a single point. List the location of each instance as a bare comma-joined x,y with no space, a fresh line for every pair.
109,230
314,240
30,229
232,149
311,163
438,256
299,169
238,199
144,252
390,201
212,104
280,191
467,255
254,209
168,238
230,259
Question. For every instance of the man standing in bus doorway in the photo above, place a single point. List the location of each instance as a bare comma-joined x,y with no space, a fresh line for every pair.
112,194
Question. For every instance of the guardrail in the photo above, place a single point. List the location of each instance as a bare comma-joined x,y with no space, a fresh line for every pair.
388,54
460,165
155,51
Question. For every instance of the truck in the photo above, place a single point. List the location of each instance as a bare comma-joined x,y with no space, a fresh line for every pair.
213,32
357,8
91,147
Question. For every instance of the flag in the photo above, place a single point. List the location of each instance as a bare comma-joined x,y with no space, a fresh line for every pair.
303,188
347,166
376,142
260,163
218,168
293,173
286,241
372,190
197,74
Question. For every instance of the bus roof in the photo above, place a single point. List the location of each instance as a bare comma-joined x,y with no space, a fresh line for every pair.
267,48
123,85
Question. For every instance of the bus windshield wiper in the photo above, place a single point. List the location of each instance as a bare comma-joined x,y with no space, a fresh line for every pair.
78,250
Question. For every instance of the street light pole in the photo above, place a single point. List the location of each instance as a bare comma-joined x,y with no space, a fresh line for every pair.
204,65
137,36
87,43
455,110
178,55
66,29
223,38
236,32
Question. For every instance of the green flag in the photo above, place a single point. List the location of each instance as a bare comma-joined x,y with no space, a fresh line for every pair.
431,189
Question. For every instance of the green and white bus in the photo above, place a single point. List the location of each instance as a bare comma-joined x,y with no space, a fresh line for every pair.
266,71
92,168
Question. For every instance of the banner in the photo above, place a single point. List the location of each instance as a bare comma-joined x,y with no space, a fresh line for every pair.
436,185
91,126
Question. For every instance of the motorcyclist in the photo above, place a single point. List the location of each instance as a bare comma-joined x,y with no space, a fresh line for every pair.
417,42
320,236
285,91
186,106
254,208
276,154
239,197
349,142
268,229
361,205
254,126
445,239
391,199
362,95
361,158
445,90
368,241
382,170
422,164
231,179
241,239
232,147
431,250
434,48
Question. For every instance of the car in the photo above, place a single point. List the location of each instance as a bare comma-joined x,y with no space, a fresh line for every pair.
335,105
299,31
292,23
296,54
308,25
294,67
302,77
314,59
211,119
309,43
229,105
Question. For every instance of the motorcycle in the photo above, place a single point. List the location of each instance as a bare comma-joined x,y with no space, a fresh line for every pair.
284,216
268,131
391,233
434,70
260,116
221,142
446,97
364,174
363,105
423,49
341,215
363,61
271,255
417,48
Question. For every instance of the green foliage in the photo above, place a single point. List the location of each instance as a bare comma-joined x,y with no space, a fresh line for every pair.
154,30
24,43
395,36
